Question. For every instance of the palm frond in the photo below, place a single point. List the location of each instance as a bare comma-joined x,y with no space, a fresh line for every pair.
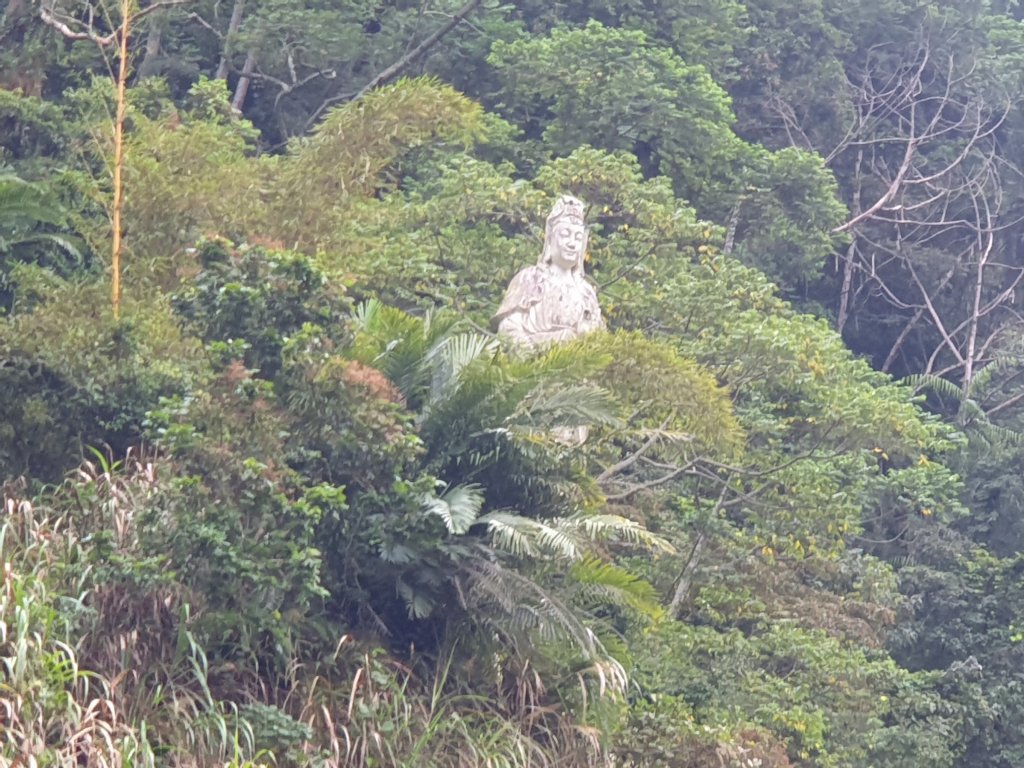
423,357
605,527
68,245
552,405
527,537
366,315
574,360
999,363
391,341
417,603
971,415
27,214
508,533
525,606
22,204
450,356
458,507
558,541
566,538
999,435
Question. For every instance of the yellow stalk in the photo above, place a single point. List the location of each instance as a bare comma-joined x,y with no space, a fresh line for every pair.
122,78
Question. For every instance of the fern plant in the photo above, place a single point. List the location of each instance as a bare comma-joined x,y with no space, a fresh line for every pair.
972,415
524,549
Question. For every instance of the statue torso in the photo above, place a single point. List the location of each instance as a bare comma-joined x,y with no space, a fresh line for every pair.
546,304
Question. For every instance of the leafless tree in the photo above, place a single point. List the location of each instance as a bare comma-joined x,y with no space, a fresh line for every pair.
299,74
926,180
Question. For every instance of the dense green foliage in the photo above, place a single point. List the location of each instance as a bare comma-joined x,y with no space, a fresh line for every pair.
296,506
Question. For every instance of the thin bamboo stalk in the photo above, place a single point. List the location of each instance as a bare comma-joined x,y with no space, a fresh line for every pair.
122,79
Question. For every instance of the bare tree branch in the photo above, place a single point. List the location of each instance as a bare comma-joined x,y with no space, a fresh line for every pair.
394,69
630,460
86,30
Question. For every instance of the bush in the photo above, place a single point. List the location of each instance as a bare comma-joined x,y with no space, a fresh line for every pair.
73,376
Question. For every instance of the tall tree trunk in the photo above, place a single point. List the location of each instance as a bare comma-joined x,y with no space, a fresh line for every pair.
682,593
242,87
154,37
734,223
851,252
236,21
985,243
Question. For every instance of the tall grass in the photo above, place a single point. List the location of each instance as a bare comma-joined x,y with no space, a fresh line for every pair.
52,711
383,714
104,670
95,673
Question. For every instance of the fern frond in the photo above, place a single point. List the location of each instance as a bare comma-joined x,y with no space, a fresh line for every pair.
939,385
609,582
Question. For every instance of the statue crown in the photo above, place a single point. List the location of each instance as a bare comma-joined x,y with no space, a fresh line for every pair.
569,208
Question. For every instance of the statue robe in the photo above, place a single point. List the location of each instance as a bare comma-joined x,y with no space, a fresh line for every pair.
543,304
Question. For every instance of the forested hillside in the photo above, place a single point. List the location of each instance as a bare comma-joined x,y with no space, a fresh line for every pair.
275,495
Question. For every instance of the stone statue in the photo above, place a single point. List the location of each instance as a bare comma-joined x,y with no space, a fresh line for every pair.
552,301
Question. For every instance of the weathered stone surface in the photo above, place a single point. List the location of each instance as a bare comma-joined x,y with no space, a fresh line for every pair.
552,301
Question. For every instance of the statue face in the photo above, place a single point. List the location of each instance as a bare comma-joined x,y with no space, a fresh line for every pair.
568,245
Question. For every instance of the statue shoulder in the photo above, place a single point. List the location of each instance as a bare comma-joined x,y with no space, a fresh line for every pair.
524,290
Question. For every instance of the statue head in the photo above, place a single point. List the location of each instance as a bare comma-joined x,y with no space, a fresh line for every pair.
565,235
